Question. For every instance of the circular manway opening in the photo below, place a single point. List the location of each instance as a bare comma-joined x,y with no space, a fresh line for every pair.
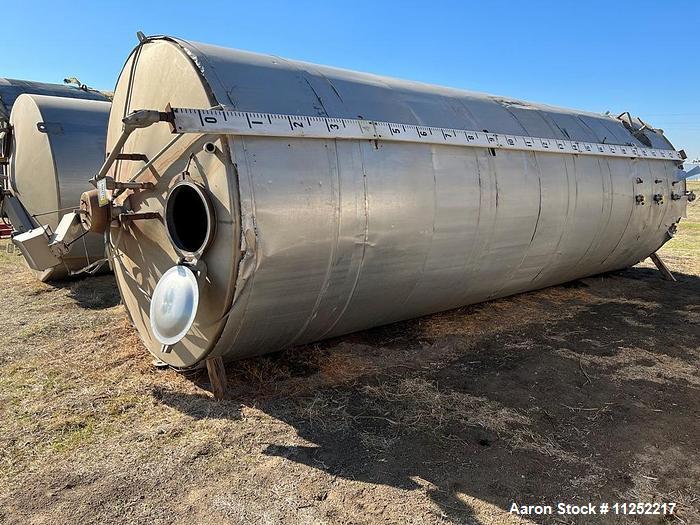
189,218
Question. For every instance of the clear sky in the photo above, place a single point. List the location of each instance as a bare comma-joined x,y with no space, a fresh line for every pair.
641,56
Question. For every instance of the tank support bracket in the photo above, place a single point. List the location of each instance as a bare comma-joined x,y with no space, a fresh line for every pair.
217,376
665,272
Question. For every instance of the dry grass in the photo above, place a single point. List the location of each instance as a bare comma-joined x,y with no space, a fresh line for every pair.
567,394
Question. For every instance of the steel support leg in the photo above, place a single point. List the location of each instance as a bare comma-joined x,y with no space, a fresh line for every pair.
217,377
665,272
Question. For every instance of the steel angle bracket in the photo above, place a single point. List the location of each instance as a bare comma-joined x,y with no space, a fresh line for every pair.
139,119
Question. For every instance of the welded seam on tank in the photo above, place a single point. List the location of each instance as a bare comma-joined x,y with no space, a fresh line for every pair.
250,279
624,232
337,210
607,164
204,68
576,195
600,229
332,253
480,257
591,130
610,126
435,199
471,253
555,252
428,252
513,272
365,242
303,73
517,267
418,278
335,90
199,60
237,222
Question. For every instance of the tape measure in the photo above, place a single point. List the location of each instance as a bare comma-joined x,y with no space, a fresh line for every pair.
228,122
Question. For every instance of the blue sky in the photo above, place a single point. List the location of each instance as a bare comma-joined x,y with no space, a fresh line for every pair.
642,56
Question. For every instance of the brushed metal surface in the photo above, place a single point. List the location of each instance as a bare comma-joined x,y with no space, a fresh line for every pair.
320,237
11,88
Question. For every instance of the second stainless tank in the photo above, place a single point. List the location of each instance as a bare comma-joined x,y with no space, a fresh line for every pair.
57,146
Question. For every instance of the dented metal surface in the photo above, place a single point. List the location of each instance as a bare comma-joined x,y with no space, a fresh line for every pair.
320,237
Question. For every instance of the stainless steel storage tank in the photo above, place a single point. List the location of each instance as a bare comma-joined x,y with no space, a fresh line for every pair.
11,88
57,145
295,239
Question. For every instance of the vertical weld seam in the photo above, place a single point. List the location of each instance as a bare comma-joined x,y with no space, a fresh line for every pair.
600,229
323,108
360,266
472,253
332,253
564,227
249,284
612,194
432,233
624,232
534,232
491,161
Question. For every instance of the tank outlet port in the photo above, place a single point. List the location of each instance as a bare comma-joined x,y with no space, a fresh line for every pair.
189,218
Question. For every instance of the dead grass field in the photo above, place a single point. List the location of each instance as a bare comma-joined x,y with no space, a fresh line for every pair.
584,392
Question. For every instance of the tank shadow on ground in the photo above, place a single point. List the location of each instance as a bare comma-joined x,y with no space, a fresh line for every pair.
91,292
572,407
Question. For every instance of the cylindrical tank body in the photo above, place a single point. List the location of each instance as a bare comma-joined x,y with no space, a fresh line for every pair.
58,144
11,88
315,238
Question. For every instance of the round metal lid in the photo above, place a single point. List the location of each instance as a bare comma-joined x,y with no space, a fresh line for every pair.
174,305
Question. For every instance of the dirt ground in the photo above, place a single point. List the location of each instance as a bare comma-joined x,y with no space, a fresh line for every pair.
584,392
